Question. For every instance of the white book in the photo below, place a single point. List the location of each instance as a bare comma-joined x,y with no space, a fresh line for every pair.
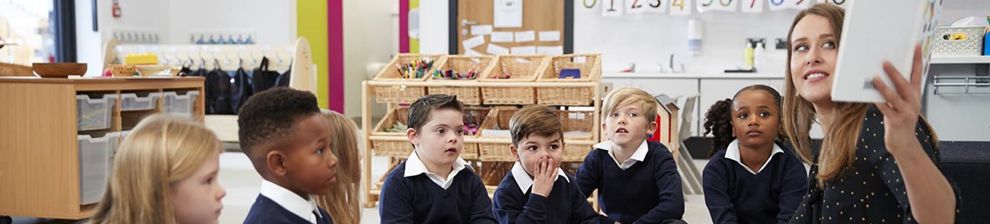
875,31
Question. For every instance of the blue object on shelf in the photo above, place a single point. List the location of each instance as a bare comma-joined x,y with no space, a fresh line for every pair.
986,44
570,73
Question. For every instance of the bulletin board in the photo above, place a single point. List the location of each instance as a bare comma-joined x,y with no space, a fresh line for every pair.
550,24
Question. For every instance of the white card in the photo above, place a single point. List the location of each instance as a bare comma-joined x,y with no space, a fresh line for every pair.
547,36
497,50
680,7
612,8
525,36
635,6
470,52
550,50
473,42
502,37
523,50
657,6
752,6
481,29
718,5
508,13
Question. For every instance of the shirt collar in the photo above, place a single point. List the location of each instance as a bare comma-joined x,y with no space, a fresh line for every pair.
732,152
638,156
304,208
415,167
525,182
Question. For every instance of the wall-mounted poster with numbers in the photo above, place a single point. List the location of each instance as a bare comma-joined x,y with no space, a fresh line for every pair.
840,3
751,6
717,5
680,7
656,6
612,7
789,4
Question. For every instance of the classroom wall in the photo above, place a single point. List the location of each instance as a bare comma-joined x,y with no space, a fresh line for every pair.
272,22
648,39
369,37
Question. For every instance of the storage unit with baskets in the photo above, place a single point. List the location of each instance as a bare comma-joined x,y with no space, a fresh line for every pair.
505,84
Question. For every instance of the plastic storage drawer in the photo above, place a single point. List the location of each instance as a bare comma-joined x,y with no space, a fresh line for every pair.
94,114
94,166
134,102
182,104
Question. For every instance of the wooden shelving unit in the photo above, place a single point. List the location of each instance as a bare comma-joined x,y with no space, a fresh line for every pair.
40,172
383,92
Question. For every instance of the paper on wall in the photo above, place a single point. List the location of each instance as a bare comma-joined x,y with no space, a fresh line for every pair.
481,29
502,37
612,8
508,13
525,36
523,50
547,36
473,42
680,7
497,50
550,50
470,52
752,6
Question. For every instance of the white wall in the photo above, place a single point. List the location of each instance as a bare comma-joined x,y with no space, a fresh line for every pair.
369,32
89,45
648,39
273,22
433,26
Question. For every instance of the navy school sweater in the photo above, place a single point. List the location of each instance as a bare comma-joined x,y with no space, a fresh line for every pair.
264,210
566,204
735,195
647,192
417,199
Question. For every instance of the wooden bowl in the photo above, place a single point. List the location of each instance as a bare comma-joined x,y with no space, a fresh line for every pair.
59,70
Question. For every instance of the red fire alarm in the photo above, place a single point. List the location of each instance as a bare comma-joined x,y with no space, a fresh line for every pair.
116,9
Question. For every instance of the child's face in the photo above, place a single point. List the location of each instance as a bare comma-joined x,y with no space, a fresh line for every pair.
755,118
813,54
441,139
196,199
627,126
535,148
310,165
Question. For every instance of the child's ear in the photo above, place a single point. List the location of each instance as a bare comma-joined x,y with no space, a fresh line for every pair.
514,150
275,160
652,127
412,135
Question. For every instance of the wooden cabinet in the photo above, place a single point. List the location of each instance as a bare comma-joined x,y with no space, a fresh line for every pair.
39,137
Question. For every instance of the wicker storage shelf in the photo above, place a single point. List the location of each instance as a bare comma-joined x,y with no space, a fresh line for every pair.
462,64
520,68
590,69
391,72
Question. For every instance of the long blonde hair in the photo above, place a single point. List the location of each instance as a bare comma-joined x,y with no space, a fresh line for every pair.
343,200
161,150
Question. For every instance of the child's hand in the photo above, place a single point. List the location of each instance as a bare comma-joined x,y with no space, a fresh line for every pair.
546,172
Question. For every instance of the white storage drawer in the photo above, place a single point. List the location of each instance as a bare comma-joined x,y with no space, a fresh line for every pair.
135,102
94,165
183,104
94,113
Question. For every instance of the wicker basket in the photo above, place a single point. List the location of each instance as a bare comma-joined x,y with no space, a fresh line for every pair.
458,63
524,68
399,114
576,147
590,67
398,94
123,70
971,45
497,120
392,148
391,71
